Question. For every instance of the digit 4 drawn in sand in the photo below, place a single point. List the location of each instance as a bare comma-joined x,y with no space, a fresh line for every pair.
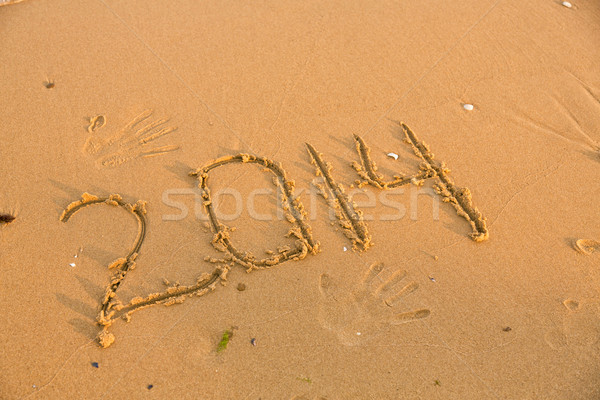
133,141
459,197
360,315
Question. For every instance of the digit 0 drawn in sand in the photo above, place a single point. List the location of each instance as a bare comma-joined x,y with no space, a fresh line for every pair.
580,326
361,314
110,307
293,208
133,141
587,246
367,170
349,217
459,197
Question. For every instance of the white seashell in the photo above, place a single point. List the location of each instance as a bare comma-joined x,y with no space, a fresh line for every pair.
72,264
345,248
567,4
468,107
393,155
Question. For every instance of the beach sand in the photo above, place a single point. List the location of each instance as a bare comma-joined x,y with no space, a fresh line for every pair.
108,97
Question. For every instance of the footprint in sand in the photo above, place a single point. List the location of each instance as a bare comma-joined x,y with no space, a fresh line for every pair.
133,141
361,314
580,327
587,246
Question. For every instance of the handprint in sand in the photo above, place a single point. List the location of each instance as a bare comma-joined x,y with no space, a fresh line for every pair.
134,140
361,314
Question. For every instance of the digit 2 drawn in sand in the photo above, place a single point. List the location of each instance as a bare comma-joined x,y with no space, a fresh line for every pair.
459,197
350,219
360,315
133,141
293,208
110,307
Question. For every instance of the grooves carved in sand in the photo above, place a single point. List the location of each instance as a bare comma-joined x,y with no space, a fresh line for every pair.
110,307
293,208
350,219
459,197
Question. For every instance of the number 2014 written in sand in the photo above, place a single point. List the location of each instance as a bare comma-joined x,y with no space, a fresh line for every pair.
348,215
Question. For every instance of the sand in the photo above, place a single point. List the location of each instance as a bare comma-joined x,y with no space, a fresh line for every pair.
366,276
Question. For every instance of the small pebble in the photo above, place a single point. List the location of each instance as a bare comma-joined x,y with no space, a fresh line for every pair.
345,248
468,107
393,155
507,329
95,364
567,4
357,333
241,287
72,264
49,85
253,341
150,387
432,279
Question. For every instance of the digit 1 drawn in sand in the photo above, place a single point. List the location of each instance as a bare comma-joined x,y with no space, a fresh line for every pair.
350,219
361,314
128,143
367,170
293,208
110,307
460,198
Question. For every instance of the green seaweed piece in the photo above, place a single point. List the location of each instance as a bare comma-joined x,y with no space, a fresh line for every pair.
222,346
